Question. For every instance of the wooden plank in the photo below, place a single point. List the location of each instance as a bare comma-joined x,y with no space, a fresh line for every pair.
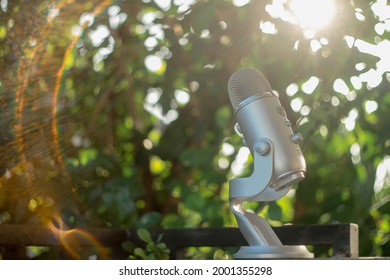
342,237
29,235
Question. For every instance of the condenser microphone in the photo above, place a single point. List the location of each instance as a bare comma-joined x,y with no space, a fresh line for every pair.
263,121
278,163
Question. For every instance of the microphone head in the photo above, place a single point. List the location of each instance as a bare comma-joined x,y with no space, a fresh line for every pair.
244,83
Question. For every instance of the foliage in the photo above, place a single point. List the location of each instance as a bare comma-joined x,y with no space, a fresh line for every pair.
115,113
153,250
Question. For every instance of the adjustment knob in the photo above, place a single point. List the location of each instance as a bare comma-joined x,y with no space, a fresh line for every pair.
262,147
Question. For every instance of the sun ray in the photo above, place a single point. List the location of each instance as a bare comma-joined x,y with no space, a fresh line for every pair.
313,14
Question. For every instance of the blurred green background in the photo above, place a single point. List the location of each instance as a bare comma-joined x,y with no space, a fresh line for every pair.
116,114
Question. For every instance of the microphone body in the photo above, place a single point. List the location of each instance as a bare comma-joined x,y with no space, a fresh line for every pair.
278,164
261,116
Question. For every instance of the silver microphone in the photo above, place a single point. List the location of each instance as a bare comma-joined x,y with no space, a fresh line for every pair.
261,116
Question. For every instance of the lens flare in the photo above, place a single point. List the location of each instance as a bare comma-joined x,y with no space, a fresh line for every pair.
35,82
73,241
67,62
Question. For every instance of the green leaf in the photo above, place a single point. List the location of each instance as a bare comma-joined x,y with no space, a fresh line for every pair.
157,165
197,156
195,201
139,252
3,32
161,246
149,220
150,247
87,155
385,205
144,235
274,211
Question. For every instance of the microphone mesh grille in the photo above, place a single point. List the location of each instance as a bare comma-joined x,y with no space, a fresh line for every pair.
244,83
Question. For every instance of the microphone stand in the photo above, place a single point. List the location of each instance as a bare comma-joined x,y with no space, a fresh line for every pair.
262,240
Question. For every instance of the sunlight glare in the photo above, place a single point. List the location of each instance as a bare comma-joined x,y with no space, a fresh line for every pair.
382,178
240,3
182,96
227,149
292,89
238,164
296,104
313,14
3,5
310,85
153,63
340,86
164,5
370,106
350,121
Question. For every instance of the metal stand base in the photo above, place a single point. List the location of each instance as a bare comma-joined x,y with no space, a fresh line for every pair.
273,252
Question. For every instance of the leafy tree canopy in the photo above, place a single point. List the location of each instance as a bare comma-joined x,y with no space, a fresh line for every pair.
116,113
